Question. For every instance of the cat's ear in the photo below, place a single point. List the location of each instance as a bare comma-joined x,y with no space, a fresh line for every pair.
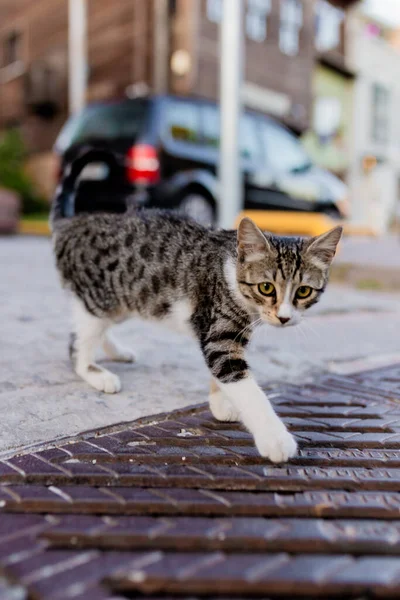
322,249
252,243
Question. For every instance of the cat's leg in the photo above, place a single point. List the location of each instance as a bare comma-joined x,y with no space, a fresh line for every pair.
234,380
220,405
271,437
88,334
116,351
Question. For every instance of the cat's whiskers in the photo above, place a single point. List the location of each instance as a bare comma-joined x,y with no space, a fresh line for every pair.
257,329
251,326
302,337
309,326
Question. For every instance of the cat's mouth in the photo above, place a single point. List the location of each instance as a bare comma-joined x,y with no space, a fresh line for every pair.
276,322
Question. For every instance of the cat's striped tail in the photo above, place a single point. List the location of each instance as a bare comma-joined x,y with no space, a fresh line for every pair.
63,205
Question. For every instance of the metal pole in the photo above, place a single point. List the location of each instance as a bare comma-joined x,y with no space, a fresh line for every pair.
232,59
77,54
161,31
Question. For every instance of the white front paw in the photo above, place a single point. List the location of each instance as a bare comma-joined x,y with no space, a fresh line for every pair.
221,408
109,383
102,380
276,443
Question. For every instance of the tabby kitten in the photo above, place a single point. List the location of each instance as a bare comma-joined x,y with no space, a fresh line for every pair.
214,285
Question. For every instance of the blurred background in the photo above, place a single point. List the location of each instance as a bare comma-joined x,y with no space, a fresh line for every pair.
319,134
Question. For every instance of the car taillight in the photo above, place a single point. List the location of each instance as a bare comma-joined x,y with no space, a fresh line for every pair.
58,170
143,165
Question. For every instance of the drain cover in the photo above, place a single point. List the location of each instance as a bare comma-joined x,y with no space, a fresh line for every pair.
181,506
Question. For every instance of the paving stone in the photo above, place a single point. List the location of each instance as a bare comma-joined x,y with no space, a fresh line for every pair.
35,469
10,473
275,574
183,506
8,591
228,534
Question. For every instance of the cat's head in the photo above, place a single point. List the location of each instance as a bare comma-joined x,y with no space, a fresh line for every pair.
280,277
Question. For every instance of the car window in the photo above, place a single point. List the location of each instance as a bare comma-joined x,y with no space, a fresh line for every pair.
110,121
183,122
211,126
248,137
282,149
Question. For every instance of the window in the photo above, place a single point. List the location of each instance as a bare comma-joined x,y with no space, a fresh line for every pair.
172,8
380,113
291,21
11,48
256,19
328,21
183,122
248,137
214,10
327,117
283,150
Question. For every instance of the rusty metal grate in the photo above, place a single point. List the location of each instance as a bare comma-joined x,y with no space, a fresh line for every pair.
181,506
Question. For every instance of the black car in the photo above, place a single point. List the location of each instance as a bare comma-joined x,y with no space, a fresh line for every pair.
167,151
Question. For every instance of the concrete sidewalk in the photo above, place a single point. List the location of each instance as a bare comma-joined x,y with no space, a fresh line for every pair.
381,252
369,262
41,398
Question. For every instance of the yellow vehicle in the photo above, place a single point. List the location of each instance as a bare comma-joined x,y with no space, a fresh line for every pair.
298,223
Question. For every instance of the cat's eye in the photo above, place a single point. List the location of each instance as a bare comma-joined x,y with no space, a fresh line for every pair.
266,289
304,291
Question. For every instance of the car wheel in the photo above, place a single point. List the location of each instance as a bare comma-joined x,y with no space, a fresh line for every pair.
199,208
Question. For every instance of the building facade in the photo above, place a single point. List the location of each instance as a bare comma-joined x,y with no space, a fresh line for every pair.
279,57
374,173
34,60
328,139
159,46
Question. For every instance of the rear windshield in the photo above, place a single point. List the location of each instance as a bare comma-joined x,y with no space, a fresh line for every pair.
104,121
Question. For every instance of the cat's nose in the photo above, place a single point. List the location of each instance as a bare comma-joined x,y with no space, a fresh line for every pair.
284,320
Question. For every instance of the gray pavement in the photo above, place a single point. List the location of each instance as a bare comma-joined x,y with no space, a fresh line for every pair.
383,252
41,398
372,263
